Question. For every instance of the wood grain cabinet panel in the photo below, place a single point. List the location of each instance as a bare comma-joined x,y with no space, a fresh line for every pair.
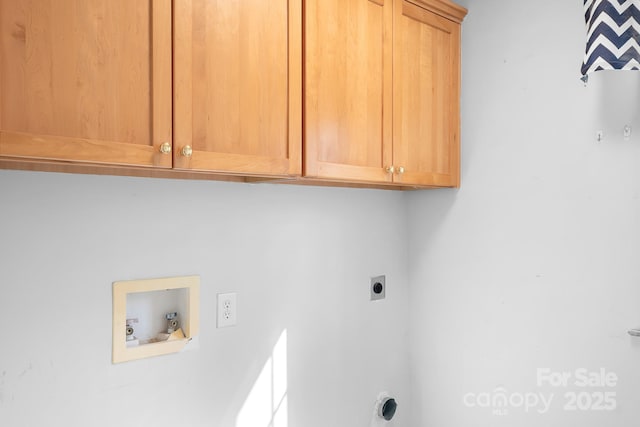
86,80
348,89
237,86
382,91
111,81
426,108
216,88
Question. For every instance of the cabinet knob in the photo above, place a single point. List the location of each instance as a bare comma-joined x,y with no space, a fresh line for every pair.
187,151
400,170
390,169
165,148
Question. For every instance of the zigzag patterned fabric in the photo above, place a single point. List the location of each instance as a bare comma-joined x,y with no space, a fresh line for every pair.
613,35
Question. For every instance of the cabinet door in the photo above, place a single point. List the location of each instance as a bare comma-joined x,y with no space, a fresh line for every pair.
426,109
86,80
348,89
237,86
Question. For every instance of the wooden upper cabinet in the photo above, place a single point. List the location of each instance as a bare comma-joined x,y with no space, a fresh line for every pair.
382,88
237,86
86,80
426,89
217,86
348,89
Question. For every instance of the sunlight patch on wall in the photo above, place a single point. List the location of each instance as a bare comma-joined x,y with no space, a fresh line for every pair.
266,404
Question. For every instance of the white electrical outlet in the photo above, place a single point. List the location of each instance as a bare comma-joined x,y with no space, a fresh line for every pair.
227,309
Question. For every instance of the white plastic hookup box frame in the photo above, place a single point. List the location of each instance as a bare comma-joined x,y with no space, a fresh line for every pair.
190,321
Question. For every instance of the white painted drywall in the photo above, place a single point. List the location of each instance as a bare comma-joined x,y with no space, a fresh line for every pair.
533,263
299,259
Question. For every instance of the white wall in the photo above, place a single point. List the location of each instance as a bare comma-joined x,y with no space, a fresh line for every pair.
299,258
533,263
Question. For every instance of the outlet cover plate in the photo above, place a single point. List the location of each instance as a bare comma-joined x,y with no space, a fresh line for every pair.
227,309
378,288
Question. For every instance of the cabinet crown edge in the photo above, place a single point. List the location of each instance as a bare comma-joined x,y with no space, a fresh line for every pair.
444,8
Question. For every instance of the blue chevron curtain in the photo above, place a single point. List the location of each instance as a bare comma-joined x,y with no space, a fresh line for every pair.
613,36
